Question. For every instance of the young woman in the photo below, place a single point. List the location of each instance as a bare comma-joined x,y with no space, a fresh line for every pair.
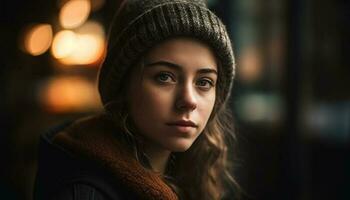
165,130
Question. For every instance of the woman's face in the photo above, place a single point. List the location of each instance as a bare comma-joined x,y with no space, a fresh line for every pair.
172,96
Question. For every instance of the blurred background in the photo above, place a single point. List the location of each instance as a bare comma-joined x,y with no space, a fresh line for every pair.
291,98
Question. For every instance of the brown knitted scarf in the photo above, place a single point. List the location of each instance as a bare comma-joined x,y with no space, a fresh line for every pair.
92,139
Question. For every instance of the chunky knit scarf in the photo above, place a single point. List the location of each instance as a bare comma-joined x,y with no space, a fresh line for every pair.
93,139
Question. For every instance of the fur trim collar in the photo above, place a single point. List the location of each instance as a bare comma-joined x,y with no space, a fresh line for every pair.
92,138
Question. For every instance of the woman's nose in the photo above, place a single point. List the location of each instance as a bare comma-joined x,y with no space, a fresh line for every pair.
186,98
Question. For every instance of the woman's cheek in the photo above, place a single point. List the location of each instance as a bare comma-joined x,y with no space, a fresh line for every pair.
159,98
207,105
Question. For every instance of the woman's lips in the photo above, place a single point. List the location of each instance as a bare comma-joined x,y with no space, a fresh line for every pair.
183,123
183,126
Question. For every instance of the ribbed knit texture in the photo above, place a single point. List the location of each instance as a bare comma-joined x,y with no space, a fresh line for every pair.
140,25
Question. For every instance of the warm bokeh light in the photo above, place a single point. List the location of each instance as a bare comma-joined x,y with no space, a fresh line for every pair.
63,44
38,39
74,13
84,47
89,50
250,64
69,94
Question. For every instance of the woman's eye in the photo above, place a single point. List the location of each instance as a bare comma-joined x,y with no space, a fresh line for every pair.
164,78
205,84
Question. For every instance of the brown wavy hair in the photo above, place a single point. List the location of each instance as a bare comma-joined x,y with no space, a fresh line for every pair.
204,171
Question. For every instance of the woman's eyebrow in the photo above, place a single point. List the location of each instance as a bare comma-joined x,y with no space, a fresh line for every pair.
164,63
179,68
207,70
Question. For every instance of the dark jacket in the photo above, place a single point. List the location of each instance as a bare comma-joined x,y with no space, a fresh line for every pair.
83,160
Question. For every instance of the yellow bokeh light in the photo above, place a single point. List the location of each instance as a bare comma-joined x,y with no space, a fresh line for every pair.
83,47
63,44
89,50
38,39
69,94
74,13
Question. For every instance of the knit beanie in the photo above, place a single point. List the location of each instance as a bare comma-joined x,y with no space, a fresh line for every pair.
141,24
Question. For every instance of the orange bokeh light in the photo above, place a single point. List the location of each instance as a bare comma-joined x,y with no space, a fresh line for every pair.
74,13
38,39
69,94
250,64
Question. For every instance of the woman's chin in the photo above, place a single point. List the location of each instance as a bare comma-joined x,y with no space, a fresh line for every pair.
179,146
